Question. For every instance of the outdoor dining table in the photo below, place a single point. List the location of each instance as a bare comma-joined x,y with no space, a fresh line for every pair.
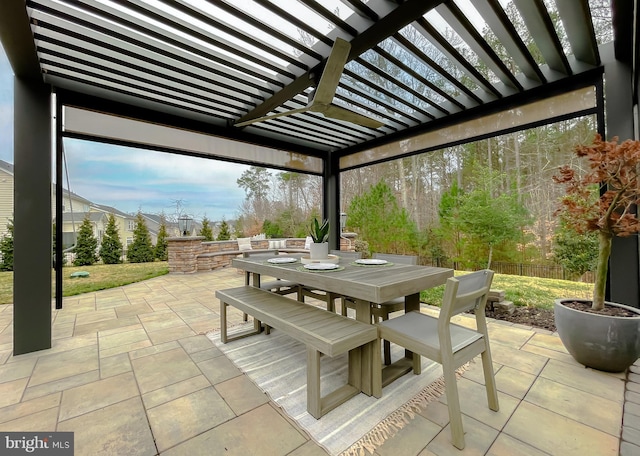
365,284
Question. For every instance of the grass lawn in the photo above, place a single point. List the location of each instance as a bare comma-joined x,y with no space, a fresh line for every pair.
525,291
522,291
100,277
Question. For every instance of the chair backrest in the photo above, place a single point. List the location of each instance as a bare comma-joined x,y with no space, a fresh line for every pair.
346,255
393,258
466,292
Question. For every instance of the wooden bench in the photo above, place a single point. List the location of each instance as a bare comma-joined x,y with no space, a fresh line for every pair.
321,331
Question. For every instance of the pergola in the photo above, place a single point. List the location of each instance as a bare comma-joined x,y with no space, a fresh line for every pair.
197,77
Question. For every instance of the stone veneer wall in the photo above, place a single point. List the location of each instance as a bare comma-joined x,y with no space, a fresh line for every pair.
191,253
182,253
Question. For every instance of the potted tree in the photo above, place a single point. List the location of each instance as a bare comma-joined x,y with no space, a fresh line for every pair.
602,335
319,233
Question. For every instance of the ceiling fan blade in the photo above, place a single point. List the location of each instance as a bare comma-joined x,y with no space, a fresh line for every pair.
336,112
332,71
272,116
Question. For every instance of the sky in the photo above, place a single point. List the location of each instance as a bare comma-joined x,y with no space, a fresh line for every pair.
131,179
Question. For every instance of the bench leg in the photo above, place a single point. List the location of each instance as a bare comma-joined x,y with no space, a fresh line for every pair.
223,322
224,337
314,402
376,369
245,317
360,369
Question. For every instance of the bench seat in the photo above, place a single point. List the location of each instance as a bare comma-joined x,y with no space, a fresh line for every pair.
321,331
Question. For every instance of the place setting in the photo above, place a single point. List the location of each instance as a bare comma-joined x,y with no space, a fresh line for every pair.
371,262
282,260
320,267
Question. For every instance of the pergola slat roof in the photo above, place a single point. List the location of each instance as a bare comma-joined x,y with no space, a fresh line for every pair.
220,62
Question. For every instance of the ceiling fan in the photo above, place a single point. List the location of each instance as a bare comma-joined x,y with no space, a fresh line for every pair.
320,98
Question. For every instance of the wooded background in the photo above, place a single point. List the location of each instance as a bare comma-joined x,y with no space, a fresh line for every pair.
490,200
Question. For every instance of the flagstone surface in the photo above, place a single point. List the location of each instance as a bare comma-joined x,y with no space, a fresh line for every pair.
131,372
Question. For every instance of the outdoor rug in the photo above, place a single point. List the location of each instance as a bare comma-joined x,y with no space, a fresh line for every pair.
277,365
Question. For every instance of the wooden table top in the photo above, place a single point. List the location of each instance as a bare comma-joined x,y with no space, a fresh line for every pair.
375,284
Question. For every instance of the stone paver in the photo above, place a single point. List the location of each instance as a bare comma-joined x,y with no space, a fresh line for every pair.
557,434
585,408
153,372
508,446
261,431
241,394
630,444
121,428
174,391
87,398
188,416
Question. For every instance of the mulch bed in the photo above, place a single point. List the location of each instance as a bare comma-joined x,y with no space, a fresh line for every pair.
543,318
528,316
608,310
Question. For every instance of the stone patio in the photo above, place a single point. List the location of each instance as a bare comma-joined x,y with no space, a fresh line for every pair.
131,372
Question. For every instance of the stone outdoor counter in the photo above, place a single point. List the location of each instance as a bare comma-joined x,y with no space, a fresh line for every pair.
192,253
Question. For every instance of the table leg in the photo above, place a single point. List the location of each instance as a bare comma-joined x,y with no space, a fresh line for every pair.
256,283
411,303
363,314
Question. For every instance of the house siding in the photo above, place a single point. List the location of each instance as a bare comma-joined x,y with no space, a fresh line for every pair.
6,200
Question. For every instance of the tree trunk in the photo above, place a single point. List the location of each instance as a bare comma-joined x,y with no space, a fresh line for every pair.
604,251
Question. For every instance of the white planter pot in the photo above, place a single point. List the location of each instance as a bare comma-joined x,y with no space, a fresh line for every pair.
319,251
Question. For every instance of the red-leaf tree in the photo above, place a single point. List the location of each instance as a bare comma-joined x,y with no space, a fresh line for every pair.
602,200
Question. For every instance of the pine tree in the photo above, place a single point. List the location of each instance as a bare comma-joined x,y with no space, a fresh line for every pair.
6,249
161,252
206,229
224,234
111,246
141,249
86,245
381,221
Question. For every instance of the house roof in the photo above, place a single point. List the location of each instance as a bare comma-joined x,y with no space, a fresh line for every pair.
7,167
71,194
415,65
80,216
111,210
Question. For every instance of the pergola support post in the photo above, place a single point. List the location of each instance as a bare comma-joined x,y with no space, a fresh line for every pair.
32,240
624,263
331,198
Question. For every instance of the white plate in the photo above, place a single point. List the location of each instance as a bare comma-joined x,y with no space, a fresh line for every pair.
321,266
282,260
371,261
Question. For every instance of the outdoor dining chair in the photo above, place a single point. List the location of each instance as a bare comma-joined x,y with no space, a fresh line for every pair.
447,343
281,287
330,298
380,312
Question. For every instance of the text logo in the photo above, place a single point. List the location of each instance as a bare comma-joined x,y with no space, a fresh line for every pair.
36,443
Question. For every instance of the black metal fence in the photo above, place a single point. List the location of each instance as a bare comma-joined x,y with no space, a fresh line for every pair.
546,271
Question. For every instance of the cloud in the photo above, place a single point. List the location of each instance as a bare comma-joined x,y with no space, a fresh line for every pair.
131,179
